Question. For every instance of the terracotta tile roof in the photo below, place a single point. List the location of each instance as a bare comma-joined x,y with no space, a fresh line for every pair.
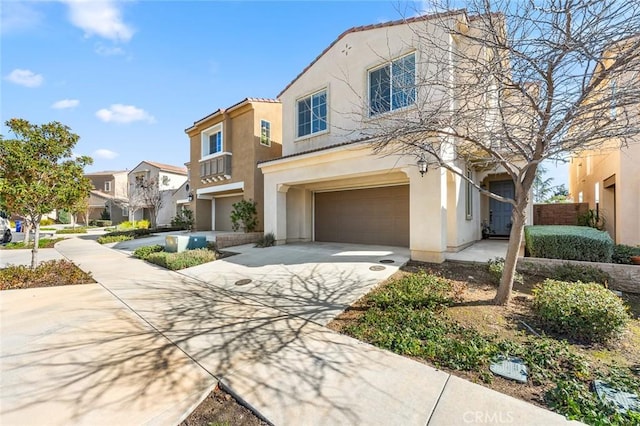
371,27
168,167
236,105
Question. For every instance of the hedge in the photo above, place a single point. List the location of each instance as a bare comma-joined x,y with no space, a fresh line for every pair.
568,243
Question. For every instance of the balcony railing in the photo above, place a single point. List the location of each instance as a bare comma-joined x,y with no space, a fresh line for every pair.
215,169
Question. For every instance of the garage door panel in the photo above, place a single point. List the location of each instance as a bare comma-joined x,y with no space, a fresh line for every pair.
364,216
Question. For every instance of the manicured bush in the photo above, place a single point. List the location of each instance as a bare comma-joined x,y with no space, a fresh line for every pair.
50,273
568,243
42,243
100,223
185,259
496,267
584,311
579,273
622,254
144,251
46,222
69,230
64,217
106,239
415,291
142,224
126,225
134,233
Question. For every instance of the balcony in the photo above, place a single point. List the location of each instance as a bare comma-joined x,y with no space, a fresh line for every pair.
215,169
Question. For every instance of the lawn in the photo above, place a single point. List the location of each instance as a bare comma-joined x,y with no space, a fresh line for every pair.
442,315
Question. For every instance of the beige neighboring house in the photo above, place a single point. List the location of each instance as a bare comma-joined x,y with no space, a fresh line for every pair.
608,179
330,186
225,149
109,192
169,179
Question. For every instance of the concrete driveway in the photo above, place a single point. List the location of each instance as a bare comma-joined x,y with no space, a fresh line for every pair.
314,281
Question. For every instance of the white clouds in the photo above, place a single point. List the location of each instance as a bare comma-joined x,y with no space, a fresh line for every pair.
65,104
102,18
105,154
18,16
25,78
103,50
118,113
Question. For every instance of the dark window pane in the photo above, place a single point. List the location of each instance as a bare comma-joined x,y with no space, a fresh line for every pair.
403,85
379,90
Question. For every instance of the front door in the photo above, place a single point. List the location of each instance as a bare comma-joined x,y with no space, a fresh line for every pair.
499,212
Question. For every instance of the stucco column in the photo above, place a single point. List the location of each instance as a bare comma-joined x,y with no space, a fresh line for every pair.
428,215
275,208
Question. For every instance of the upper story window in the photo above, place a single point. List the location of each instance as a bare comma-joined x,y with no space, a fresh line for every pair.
212,140
265,133
107,186
393,85
312,114
614,105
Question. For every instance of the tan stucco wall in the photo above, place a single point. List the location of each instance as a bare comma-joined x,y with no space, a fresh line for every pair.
624,164
241,138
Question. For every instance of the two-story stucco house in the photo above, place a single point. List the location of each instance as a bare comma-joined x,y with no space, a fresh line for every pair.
168,178
225,148
330,186
110,193
608,178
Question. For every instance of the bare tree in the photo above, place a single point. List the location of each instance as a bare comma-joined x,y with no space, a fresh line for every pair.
146,193
508,84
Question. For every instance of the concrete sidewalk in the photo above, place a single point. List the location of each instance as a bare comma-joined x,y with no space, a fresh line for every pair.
290,369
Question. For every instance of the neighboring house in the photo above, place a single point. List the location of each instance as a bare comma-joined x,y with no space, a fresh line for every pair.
330,186
225,149
169,178
608,179
110,193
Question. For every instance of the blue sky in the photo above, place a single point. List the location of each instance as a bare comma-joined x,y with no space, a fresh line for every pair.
129,77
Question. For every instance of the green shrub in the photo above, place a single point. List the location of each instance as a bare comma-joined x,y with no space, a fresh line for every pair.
579,273
105,215
46,222
64,217
126,225
267,240
622,254
568,243
100,223
42,243
415,291
144,251
142,224
496,267
184,219
76,230
244,215
182,260
134,233
584,311
50,273
109,238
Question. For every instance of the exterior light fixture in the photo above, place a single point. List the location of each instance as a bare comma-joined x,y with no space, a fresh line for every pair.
190,198
422,165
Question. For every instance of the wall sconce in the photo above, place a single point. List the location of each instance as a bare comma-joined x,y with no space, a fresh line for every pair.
190,197
422,165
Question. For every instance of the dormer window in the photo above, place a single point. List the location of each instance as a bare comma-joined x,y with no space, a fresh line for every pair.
392,85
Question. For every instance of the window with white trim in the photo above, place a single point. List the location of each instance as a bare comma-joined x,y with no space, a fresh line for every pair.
107,186
265,133
468,205
312,114
212,140
393,85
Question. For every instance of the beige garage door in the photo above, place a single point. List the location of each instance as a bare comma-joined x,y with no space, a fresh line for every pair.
364,216
223,207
